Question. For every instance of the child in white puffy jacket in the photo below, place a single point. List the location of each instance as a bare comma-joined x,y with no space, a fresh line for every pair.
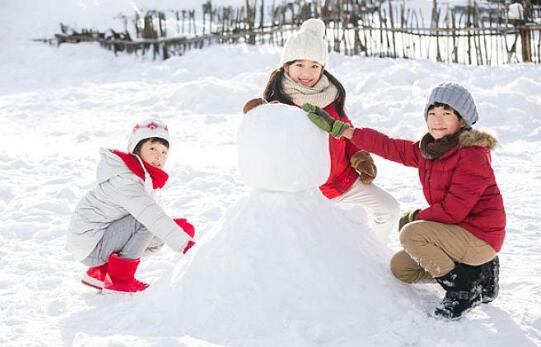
120,219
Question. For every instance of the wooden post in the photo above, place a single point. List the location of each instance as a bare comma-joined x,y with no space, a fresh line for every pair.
137,27
394,55
183,21
454,56
250,21
539,46
525,40
468,25
162,25
148,29
262,21
177,16
191,22
357,44
436,22
205,11
380,28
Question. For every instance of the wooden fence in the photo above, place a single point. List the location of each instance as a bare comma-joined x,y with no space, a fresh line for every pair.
468,34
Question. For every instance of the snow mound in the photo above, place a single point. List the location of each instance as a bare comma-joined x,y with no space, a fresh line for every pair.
285,268
281,150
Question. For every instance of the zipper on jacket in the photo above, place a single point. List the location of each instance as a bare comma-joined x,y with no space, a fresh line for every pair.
333,172
429,176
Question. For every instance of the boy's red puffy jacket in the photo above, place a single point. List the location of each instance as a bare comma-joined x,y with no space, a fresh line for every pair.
460,186
342,175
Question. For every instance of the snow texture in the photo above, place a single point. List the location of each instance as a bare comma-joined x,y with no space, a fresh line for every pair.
59,105
281,150
271,265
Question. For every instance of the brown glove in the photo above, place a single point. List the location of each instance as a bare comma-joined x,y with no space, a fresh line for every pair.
363,163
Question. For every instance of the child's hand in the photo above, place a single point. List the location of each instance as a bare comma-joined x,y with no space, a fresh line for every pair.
186,226
324,121
363,163
407,218
189,229
188,246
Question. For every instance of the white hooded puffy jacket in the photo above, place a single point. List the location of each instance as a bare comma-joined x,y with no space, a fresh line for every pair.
119,192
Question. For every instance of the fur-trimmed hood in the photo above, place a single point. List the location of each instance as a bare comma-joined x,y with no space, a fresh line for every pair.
479,138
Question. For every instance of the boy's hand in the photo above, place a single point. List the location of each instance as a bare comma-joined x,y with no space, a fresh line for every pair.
407,218
363,163
186,226
189,229
188,246
324,121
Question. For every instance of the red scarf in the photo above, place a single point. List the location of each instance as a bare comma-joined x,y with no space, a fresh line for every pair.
158,176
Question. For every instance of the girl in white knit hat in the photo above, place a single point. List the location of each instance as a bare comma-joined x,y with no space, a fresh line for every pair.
121,218
303,78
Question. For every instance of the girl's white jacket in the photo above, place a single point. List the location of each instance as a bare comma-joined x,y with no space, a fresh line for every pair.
119,192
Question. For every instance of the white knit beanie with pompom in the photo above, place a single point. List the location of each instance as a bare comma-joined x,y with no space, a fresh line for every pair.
307,44
147,129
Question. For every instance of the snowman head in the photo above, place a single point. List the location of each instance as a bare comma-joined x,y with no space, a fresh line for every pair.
280,149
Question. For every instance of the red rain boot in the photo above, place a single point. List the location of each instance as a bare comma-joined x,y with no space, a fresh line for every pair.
94,276
120,274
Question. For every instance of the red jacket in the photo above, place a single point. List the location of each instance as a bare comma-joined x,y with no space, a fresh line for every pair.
459,187
342,175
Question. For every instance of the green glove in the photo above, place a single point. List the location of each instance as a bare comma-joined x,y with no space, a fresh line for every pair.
407,218
324,121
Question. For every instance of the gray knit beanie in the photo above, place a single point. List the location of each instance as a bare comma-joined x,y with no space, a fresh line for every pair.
456,96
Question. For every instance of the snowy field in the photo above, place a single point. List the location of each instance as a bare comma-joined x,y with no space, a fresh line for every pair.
58,106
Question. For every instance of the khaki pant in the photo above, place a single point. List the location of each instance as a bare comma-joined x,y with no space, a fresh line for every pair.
431,250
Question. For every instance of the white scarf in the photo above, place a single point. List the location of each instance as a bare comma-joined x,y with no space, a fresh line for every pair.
321,94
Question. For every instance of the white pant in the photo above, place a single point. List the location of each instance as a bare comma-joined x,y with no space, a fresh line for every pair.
384,208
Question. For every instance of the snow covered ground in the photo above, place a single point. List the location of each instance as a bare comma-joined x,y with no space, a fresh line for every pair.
59,105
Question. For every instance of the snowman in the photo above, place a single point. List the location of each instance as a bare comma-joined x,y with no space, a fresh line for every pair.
284,266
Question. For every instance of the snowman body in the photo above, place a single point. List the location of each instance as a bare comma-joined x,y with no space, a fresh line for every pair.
284,267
